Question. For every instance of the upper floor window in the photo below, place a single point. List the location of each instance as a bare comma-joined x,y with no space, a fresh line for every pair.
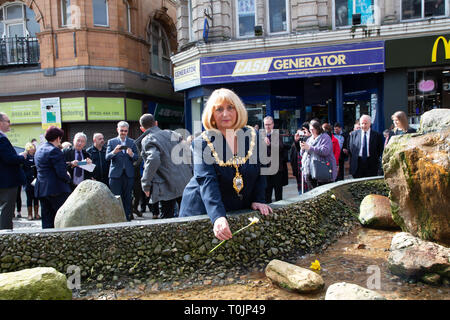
419,9
160,50
127,15
245,18
65,12
17,20
277,15
100,11
191,21
345,9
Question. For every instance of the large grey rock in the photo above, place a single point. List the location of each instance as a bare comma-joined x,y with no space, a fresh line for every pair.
411,257
417,170
293,277
91,203
34,284
434,120
350,291
375,212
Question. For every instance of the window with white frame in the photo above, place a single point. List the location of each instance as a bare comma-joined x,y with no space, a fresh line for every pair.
245,18
160,50
65,13
100,12
345,9
127,15
277,15
419,9
17,20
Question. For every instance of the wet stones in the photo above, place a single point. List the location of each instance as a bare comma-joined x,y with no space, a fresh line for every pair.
375,212
293,277
350,291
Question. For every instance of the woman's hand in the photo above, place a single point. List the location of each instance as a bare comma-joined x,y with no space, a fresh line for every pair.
304,146
222,229
262,207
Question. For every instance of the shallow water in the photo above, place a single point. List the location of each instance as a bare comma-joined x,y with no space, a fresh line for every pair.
355,258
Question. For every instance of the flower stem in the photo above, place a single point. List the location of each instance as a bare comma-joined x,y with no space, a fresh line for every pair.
234,233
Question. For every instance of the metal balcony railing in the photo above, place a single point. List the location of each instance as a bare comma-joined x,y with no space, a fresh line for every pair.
19,51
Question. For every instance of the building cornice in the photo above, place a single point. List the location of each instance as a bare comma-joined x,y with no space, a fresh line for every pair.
315,38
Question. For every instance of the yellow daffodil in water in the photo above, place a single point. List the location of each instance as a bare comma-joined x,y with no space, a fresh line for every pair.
333,197
315,265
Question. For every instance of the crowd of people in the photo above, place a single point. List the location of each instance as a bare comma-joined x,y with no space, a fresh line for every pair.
229,178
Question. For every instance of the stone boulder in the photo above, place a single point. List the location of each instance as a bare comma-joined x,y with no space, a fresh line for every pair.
434,120
34,284
417,170
293,277
413,258
375,212
91,203
350,291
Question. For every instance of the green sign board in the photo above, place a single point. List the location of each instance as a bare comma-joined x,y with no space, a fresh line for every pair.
169,113
134,109
22,111
22,133
73,109
418,52
106,109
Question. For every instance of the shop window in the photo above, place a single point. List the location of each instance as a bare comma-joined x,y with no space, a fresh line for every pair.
160,50
419,9
100,11
427,89
345,9
127,15
277,16
245,18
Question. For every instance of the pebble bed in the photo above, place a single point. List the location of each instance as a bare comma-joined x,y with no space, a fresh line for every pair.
174,255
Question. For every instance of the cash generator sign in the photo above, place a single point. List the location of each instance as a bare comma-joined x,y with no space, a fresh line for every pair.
305,62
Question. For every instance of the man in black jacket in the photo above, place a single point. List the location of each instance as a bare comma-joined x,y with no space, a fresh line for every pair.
97,153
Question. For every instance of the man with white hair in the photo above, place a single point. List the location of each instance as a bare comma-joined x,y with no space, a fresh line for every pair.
365,149
122,152
73,156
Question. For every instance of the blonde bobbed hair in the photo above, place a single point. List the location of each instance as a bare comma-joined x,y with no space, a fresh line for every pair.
218,97
29,146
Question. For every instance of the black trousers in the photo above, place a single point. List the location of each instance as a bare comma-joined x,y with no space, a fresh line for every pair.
168,208
7,202
49,207
274,183
366,168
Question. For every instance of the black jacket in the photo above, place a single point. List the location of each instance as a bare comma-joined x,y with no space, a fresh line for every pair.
101,170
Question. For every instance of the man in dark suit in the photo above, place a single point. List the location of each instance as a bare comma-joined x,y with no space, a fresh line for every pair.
75,154
11,173
276,181
365,148
122,152
97,153
52,182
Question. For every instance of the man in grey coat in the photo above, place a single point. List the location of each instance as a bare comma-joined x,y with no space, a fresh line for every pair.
162,179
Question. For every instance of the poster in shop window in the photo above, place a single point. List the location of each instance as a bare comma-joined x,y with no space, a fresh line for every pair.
50,112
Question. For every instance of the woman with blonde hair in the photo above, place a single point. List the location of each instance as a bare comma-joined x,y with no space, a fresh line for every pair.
30,173
401,125
227,171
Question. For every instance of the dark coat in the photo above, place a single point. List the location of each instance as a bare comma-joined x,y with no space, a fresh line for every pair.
281,177
121,160
11,172
98,158
211,192
376,147
52,178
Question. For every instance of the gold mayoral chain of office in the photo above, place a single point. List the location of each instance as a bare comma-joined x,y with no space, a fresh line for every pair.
235,161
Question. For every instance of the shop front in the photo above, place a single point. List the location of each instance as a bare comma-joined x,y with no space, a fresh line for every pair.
416,83
331,83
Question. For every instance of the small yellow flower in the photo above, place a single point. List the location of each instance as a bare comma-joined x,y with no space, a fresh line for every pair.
253,220
333,197
315,265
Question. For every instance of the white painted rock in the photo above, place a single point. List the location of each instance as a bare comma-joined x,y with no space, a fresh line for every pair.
350,291
293,277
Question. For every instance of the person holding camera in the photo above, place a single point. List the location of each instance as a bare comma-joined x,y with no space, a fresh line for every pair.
317,149
296,159
122,152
